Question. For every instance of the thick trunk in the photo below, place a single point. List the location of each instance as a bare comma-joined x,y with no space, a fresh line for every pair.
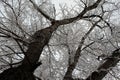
18,73
40,39
30,62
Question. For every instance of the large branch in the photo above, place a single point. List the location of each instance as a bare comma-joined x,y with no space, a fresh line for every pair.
80,16
40,40
72,66
69,20
42,37
103,69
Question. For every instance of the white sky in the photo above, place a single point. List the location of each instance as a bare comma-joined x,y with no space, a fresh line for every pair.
67,2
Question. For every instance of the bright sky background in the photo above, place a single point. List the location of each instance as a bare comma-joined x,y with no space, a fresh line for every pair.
57,3
67,2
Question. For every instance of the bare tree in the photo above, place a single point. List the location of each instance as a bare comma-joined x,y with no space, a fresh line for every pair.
29,41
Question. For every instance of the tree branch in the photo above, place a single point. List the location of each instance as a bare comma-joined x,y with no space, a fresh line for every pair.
103,69
42,37
72,66
41,11
80,16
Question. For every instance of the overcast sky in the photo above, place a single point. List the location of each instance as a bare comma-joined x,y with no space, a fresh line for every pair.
67,2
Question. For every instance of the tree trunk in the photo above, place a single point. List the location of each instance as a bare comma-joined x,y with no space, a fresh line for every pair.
30,61
17,73
35,48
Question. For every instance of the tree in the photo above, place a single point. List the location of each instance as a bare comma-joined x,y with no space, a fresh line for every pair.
31,39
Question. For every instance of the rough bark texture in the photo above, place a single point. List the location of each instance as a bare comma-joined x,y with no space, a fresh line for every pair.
110,62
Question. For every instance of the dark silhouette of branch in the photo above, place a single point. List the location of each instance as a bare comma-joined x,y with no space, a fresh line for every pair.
80,16
40,40
103,69
98,17
16,16
41,11
72,66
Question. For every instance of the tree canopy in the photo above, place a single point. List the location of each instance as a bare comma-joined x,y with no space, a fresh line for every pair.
40,42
